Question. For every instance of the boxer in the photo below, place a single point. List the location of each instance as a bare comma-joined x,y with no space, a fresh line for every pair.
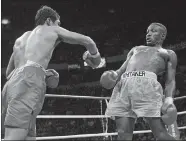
25,90
137,93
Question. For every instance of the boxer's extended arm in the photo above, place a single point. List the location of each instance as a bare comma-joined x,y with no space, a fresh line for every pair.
122,69
170,84
76,38
10,66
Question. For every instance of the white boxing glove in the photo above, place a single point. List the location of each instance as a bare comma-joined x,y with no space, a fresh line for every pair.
92,60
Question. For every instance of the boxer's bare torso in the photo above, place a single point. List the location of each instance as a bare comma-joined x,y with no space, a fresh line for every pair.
36,45
153,59
19,50
40,45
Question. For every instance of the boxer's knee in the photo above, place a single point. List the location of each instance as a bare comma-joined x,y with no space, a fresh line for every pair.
162,135
124,135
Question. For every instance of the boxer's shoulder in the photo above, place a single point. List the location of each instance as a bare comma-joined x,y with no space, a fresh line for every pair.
171,53
141,47
172,57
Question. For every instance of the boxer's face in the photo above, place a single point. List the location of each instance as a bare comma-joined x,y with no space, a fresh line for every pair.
154,35
57,23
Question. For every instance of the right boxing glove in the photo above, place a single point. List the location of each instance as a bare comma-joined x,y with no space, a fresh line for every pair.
92,60
108,79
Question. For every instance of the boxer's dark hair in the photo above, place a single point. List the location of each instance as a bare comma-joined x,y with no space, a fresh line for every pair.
45,12
162,26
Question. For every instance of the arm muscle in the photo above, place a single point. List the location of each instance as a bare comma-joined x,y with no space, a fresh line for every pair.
76,38
170,84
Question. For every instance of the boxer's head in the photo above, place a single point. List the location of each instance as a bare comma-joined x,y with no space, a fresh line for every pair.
48,16
156,34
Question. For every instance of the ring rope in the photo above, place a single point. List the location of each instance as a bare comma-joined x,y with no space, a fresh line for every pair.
91,97
102,119
83,116
91,116
76,96
181,97
106,102
93,135
101,111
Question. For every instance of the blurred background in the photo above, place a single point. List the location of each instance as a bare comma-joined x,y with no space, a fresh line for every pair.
116,27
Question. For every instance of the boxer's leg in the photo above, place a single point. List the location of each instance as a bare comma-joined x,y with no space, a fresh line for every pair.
32,129
26,93
153,101
119,107
125,127
158,128
12,133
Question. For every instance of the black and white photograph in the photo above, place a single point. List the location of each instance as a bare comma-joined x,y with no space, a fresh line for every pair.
93,70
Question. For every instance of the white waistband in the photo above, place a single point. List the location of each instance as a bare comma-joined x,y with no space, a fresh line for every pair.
32,63
139,74
28,63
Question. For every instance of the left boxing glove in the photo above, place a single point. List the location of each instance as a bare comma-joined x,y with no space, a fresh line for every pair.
52,78
92,60
169,111
109,79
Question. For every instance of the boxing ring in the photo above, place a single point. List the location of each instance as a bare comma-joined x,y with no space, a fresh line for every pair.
102,116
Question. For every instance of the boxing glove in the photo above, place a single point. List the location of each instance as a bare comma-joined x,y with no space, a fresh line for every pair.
108,79
52,78
169,111
92,60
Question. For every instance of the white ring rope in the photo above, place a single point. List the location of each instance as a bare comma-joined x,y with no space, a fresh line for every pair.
181,97
93,135
91,97
83,116
90,116
75,96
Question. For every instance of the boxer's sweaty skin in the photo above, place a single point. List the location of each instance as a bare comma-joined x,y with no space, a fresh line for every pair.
34,46
40,45
17,58
43,39
149,59
153,58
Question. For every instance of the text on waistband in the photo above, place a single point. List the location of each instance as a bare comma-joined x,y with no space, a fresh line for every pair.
135,73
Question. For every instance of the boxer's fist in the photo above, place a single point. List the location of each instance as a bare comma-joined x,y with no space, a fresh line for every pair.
108,79
169,111
52,78
92,60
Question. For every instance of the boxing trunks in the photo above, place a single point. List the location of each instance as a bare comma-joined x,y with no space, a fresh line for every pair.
137,94
23,97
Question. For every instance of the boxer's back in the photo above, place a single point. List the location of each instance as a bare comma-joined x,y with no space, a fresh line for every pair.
19,50
40,45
